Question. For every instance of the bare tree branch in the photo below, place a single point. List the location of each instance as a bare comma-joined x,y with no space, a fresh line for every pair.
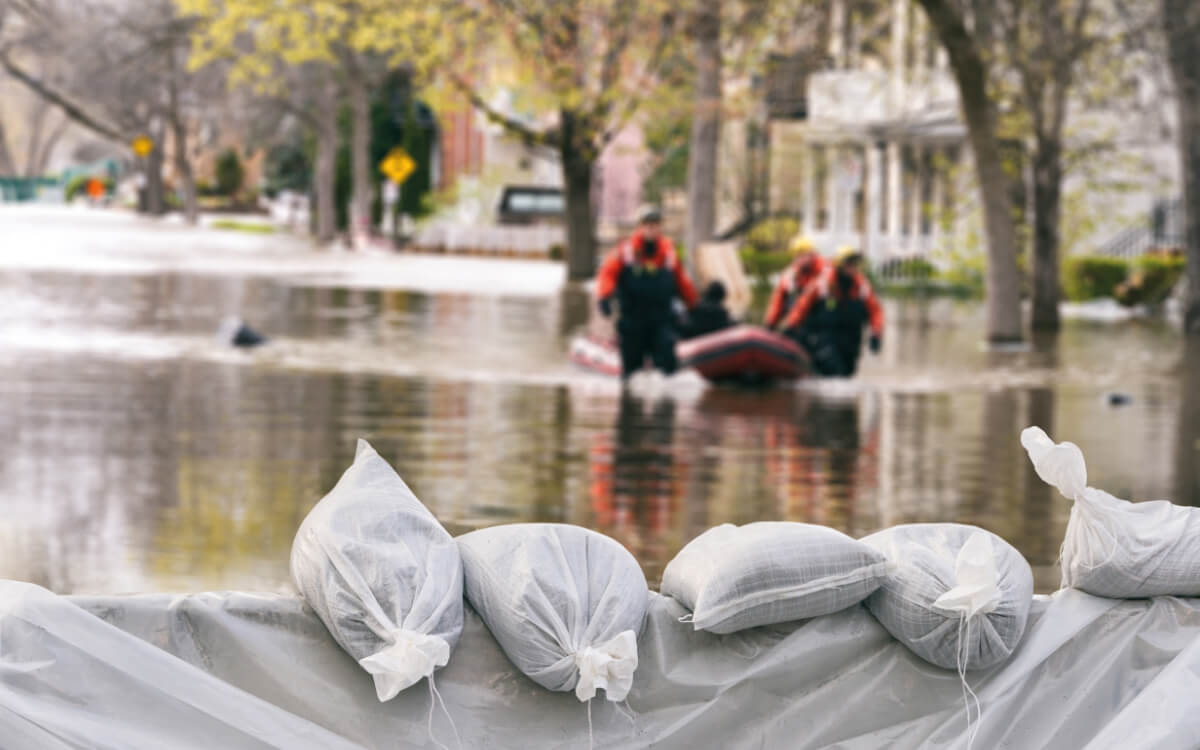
514,126
72,110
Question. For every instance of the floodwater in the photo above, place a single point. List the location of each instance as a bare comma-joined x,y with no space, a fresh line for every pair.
142,455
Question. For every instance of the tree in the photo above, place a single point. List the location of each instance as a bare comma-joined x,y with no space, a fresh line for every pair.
1045,42
114,67
968,61
592,64
39,127
307,56
706,127
1181,24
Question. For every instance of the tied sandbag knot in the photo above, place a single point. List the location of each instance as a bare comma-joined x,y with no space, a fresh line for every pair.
609,665
409,657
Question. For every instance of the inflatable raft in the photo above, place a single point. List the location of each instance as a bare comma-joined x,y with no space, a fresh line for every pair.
744,353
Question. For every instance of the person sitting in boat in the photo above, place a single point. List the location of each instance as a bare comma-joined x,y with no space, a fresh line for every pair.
710,315
803,271
644,276
829,317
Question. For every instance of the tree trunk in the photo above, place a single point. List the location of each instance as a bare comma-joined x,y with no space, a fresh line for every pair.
970,73
577,151
1181,19
360,147
325,173
706,130
1047,210
154,199
183,165
1187,436
43,158
7,167
37,128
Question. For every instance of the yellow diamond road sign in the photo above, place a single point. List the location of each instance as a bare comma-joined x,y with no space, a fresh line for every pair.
142,146
398,165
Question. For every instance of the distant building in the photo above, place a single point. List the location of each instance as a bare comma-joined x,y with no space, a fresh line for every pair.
867,145
478,159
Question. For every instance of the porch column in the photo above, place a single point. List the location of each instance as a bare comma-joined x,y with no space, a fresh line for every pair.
837,33
874,167
895,193
899,23
914,199
938,196
809,179
833,154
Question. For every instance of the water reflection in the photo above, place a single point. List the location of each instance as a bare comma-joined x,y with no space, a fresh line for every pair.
160,461
1187,438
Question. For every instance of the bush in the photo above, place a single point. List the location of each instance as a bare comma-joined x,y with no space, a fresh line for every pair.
764,251
1151,279
771,235
78,186
229,173
907,269
243,226
1086,277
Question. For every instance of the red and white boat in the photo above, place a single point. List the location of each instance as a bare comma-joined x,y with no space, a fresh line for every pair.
747,354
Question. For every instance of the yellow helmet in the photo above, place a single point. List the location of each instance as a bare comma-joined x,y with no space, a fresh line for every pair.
846,253
802,245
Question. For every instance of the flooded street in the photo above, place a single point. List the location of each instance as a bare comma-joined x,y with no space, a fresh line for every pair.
143,455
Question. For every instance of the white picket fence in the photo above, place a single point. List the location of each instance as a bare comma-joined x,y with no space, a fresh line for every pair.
484,239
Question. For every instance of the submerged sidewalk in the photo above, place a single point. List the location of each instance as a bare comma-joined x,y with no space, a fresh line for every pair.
76,239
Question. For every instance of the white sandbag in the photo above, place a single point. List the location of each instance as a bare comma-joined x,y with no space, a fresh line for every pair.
738,577
565,604
1113,547
958,596
382,574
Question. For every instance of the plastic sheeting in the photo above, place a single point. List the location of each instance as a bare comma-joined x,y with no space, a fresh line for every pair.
259,671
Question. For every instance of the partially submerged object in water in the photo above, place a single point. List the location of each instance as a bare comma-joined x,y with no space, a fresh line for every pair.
235,332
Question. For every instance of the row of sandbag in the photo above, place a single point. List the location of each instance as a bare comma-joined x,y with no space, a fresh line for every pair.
567,604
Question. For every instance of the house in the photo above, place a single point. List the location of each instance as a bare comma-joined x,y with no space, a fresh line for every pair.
866,144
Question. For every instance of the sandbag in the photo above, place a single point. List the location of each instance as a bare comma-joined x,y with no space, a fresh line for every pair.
382,574
738,577
1113,547
958,596
566,604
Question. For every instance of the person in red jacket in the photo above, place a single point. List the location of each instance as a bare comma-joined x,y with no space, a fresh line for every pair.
829,317
805,269
644,276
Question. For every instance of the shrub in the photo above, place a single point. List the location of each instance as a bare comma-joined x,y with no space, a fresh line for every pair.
1151,279
771,235
243,226
907,269
1086,277
78,186
229,173
764,251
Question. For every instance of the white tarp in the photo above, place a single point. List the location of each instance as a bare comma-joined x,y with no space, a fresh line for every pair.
260,671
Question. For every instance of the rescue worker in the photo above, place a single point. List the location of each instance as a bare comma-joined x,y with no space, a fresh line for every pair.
710,315
806,268
645,276
829,317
